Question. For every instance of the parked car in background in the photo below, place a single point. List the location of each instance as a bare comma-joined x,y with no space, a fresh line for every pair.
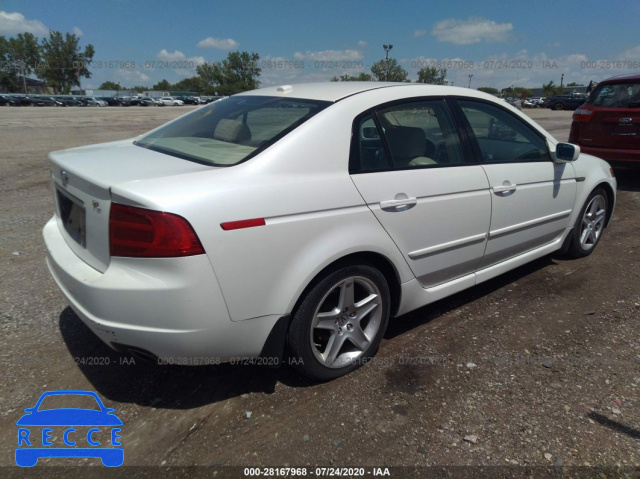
111,100
570,101
91,101
188,100
147,101
608,124
19,100
213,237
170,101
43,101
69,101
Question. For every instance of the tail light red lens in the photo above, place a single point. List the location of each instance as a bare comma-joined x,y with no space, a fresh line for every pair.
582,115
141,233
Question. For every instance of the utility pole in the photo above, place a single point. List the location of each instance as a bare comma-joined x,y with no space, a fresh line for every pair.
386,49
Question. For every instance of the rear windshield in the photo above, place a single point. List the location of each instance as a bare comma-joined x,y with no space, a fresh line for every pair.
621,95
229,131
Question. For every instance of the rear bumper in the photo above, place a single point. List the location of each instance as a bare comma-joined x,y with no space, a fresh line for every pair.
170,307
630,157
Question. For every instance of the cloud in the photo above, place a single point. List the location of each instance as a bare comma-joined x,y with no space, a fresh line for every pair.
473,30
131,77
419,33
178,62
77,32
631,54
329,55
13,23
362,43
219,43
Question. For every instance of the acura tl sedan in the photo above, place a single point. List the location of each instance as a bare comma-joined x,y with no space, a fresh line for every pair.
295,221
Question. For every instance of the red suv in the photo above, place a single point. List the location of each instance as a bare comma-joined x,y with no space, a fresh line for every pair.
608,124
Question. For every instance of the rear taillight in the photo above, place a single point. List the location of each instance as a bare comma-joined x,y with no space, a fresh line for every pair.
142,233
582,115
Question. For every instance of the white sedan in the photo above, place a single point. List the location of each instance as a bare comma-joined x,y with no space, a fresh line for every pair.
295,221
169,101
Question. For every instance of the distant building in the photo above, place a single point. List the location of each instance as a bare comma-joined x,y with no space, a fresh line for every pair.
35,87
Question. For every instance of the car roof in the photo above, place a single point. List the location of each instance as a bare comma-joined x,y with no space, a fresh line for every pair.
335,91
622,78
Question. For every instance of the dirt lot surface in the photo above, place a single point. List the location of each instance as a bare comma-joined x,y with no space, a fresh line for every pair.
537,368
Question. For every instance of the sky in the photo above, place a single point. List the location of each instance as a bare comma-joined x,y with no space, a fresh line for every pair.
484,43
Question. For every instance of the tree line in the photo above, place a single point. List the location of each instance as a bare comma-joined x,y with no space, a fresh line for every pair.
238,72
58,60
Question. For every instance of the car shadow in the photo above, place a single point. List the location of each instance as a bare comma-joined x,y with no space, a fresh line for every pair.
431,311
127,379
628,179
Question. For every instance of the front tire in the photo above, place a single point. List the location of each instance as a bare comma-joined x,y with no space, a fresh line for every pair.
339,324
589,225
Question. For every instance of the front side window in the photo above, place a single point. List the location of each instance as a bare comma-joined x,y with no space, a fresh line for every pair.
502,137
622,95
232,130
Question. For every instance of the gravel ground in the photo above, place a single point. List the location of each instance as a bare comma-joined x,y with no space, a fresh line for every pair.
536,372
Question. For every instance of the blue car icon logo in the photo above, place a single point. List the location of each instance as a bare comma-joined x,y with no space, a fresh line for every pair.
69,432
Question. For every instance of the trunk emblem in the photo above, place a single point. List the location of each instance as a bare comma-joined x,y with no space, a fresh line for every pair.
64,177
625,120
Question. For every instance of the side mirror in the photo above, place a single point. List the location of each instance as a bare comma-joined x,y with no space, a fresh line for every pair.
565,152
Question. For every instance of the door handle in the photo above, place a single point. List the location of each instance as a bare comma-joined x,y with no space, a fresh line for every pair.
505,188
399,205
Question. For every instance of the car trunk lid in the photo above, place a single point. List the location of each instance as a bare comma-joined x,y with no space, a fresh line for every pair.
617,128
82,179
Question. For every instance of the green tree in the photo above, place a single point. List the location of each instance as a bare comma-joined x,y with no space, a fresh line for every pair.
362,76
109,85
389,70
489,90
163,85
20,57
238,72
574,84
193,84
432,75
7,72
64,62
551,89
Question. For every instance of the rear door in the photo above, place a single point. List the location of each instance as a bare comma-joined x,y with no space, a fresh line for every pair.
410,167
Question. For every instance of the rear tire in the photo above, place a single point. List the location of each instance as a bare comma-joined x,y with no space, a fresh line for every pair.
340,323
558,106
589,226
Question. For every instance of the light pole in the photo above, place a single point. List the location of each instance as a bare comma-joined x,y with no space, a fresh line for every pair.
561,80
386,49
470,76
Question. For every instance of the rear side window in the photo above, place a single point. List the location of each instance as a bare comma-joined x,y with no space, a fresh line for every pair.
232,130
417,134
621,95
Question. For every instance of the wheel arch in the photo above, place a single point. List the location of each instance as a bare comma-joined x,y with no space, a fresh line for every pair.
377,260
276,343
610,200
